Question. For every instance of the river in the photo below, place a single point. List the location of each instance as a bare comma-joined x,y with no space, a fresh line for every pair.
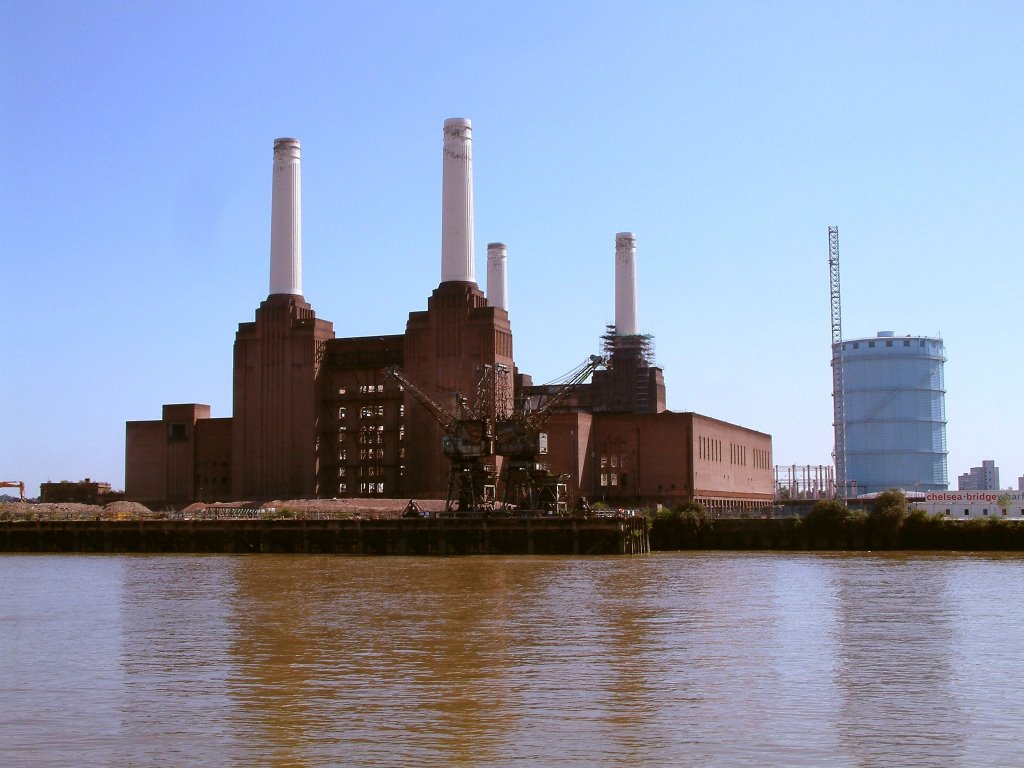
724,659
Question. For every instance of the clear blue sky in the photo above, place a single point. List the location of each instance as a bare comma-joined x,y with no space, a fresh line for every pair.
135,191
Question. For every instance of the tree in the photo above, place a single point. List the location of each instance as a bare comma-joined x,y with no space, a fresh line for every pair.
887,516
827,518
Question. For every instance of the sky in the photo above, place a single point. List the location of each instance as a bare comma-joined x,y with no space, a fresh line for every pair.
138,145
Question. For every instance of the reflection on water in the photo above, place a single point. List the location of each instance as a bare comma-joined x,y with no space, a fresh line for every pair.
896,623
695,659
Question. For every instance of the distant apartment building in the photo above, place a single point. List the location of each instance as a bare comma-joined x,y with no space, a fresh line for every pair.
983,478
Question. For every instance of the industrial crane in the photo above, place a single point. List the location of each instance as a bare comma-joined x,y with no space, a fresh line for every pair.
838,382
467,441
14,484
529,485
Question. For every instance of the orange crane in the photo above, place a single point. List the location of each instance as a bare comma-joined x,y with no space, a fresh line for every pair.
14,484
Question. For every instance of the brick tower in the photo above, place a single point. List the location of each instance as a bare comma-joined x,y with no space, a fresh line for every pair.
460,330
275,421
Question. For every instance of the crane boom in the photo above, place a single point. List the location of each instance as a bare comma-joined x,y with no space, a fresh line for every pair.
533,421
838,382
447,420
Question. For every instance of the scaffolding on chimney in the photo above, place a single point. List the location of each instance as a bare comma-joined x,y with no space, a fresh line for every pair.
629,361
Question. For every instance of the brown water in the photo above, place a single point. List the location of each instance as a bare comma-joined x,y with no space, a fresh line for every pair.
681,660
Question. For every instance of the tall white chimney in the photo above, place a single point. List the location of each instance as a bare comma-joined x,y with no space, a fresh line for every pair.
497,286
286,220
625,284
457,202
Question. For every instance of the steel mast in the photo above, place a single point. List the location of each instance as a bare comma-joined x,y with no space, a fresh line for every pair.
838,384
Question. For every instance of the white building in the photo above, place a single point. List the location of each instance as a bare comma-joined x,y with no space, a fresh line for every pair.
967,505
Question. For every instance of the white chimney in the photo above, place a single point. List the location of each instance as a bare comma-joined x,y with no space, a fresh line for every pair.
625,284
286,220
457,202
497,287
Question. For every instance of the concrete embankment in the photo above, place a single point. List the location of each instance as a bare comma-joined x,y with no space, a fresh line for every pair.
414,536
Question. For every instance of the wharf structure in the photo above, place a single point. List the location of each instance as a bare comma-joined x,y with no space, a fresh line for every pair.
314,415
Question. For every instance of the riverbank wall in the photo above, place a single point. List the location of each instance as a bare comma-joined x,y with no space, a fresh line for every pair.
406,536
916,532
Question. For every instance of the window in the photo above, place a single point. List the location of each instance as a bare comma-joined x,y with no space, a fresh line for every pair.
401,409
906,343
615,462
177,431
871,345
342,455
342,412
967,512
342,487
888,343
342,471
613,478
604,479
341,390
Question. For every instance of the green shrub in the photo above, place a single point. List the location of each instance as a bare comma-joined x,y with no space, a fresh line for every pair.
886,518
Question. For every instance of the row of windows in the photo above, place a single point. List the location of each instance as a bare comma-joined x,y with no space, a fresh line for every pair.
369,453
967,512
369,411
762,459
366,488
738,454
208,480
613,479
613,460
368,389
372,470
889,342
709,449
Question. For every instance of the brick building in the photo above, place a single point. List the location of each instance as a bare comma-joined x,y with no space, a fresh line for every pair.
315,415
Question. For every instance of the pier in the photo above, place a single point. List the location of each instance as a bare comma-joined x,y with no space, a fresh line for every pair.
439,536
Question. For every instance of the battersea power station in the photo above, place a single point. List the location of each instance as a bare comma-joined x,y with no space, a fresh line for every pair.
418,415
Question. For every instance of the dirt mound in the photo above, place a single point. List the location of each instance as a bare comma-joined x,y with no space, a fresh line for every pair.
379,508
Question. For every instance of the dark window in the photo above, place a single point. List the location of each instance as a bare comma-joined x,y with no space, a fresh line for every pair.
177,431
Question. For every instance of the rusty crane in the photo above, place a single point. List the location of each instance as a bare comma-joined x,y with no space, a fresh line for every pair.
529,484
